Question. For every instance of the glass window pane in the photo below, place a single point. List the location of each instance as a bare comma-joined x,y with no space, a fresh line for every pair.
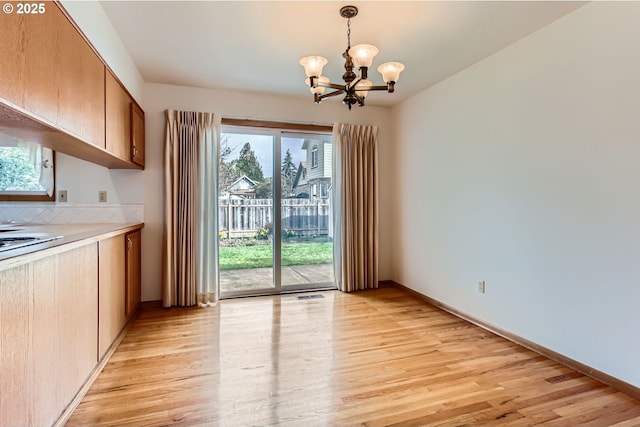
26,170
245,209
307,247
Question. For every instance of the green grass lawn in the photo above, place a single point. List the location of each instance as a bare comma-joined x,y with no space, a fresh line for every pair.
238,257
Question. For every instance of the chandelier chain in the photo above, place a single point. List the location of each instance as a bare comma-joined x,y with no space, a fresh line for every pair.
349,33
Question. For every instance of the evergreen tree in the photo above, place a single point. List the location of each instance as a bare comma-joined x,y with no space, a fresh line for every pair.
263,189
247,164
289,171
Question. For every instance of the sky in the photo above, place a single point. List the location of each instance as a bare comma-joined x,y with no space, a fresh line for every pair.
262,147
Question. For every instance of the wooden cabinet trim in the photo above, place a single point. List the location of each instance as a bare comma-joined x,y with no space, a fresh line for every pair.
20,123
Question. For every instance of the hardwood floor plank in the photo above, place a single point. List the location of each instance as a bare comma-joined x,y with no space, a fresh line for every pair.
374,358
630,422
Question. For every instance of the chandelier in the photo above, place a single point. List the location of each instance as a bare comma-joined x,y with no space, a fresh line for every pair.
355,87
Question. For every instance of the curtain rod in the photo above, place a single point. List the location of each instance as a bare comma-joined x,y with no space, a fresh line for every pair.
276,125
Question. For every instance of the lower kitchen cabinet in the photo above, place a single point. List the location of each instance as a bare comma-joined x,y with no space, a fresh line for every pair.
60,313
133,272
119,286
111,311
48,317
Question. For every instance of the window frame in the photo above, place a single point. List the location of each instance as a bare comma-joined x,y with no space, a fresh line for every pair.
314,157
324,190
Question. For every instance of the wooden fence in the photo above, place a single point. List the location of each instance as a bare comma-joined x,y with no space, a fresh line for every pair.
246,217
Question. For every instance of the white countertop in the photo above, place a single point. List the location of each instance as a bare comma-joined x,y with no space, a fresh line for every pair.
72,234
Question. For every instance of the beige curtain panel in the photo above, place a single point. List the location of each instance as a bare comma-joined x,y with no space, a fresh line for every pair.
355,206
190,246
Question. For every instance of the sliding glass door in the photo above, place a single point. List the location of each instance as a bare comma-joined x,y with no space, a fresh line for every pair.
306,253
274,212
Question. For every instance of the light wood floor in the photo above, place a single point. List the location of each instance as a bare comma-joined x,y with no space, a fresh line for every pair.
374,358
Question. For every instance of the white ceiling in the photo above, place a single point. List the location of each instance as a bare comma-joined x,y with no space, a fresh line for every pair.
256,45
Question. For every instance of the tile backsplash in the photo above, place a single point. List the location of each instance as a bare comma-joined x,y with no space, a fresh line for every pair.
49,213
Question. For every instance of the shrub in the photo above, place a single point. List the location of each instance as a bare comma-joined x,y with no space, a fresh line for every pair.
288,234
266,233
263,234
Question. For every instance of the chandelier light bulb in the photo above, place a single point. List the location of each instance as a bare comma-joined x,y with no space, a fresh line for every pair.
363,54
390,71
313,65
322,80
360,88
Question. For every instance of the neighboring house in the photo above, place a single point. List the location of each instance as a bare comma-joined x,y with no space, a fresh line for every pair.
314,176
300,185
242,188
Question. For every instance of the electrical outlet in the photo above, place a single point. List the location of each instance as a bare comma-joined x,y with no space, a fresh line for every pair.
62,195
481,287
102,196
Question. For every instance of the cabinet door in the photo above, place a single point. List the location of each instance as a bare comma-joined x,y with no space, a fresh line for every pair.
42,41
137,135
16,389
12,58
133,277
118,119
111,285
63,76
80,84
48,344
76,306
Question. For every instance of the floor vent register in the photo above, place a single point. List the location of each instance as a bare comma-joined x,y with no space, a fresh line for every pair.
315,296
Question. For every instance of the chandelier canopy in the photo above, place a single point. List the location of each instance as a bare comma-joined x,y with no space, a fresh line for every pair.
355,87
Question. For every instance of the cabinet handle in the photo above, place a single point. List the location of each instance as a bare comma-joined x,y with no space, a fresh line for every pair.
135,151
129,243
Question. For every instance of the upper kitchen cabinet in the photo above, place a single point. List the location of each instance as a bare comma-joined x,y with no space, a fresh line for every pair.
49,70
55,90
137,135
124,123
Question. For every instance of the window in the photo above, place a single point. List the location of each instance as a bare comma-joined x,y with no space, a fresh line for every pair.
314,157
26,171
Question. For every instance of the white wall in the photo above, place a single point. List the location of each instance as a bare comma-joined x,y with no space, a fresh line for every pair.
522,170
234,104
